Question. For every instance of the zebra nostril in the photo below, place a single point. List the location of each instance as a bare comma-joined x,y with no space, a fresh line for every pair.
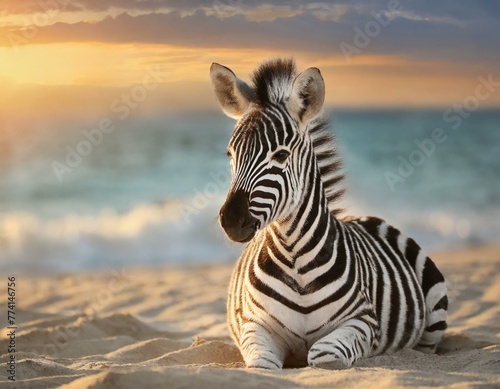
247,221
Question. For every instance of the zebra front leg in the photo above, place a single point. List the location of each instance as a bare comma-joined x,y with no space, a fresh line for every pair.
352,340
259,348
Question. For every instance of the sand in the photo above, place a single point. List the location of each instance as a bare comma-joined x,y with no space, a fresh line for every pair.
166,328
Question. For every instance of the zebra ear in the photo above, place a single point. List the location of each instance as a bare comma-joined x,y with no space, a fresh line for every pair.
308,95
234,95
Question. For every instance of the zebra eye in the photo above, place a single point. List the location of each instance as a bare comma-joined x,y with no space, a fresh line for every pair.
229,154
281,156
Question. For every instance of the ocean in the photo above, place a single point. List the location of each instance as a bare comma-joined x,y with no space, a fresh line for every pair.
148,192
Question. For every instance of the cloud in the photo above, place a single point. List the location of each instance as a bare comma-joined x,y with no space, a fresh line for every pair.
331,10
261,13
33,6
318,27
448,31
196,30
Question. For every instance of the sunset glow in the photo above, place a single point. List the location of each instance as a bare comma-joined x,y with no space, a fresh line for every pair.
85,46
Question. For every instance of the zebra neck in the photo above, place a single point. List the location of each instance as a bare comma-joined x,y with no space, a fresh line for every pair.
307,233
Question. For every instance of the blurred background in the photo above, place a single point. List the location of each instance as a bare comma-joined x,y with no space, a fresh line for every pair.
113,148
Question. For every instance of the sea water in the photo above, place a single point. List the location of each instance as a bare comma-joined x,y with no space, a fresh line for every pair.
149,192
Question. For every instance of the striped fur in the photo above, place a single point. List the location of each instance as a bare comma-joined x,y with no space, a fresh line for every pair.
311,287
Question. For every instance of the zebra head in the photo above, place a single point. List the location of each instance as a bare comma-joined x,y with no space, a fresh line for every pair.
270,150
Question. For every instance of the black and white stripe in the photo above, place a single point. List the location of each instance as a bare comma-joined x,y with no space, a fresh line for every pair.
311,286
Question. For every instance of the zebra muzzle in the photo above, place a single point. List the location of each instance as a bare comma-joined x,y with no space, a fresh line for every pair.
235,218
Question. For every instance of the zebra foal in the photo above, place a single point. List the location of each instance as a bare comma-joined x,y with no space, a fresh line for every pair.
311,287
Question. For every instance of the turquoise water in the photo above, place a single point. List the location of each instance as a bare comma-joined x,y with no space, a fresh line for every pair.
149,192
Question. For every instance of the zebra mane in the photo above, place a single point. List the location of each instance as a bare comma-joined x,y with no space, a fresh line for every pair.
272,83
273,80
329,162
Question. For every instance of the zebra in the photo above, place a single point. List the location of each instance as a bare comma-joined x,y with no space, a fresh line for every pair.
311,287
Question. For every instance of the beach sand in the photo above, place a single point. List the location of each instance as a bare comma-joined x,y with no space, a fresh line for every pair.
166,328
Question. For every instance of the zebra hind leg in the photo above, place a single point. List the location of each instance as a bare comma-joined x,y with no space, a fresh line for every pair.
349,342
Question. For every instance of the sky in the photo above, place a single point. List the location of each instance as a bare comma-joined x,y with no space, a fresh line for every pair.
76,57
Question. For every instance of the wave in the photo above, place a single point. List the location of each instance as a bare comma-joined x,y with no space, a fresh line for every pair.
179,231
187,231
